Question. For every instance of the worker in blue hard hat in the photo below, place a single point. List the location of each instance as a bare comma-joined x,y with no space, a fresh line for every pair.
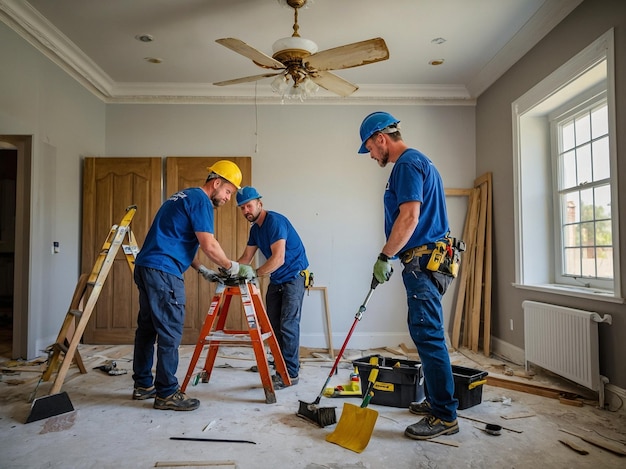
287,266
415,220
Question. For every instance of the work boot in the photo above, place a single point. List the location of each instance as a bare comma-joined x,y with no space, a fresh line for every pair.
177,401
280,384
420,408
141,394
431,427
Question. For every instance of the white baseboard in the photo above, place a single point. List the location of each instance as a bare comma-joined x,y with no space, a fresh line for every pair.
360,341
505,350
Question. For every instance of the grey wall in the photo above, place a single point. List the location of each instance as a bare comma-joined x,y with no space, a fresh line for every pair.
65,121
494,148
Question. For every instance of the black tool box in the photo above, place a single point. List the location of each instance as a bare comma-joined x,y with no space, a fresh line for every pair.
399,382
468,386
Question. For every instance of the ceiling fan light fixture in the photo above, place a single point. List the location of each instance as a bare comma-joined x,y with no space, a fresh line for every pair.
294,43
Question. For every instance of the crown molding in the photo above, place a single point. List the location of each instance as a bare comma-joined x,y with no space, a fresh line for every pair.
45,37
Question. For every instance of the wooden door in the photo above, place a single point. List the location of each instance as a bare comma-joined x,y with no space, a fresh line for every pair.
110,185
231,230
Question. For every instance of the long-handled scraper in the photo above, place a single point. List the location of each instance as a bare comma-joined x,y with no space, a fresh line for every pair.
324,416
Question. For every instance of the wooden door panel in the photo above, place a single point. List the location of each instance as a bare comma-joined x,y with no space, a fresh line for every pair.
110,185
231,230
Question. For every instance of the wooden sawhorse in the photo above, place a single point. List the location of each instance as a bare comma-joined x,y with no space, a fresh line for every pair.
259,331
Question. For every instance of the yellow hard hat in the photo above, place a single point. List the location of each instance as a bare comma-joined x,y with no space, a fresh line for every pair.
228,170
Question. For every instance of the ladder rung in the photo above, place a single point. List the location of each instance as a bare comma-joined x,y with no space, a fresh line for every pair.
222,336
75,312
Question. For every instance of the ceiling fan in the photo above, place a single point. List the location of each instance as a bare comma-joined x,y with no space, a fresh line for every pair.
301,69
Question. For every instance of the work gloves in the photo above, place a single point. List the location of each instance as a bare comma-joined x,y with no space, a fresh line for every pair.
239,271
246,271
382,268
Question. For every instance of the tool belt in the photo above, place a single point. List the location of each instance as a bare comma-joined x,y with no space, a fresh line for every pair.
443,261
308,278
446,256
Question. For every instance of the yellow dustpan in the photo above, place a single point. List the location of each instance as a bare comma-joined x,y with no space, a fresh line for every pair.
356,424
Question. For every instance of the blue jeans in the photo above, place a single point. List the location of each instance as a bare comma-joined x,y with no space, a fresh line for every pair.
161,317
425,320
284,308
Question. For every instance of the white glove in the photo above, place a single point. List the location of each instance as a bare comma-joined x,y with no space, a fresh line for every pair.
233,271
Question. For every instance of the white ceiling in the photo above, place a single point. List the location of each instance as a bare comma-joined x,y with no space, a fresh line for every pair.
94,40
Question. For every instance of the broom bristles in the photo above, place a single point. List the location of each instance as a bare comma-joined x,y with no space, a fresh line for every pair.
322,416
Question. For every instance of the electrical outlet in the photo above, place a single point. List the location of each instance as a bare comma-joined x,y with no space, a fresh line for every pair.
511,324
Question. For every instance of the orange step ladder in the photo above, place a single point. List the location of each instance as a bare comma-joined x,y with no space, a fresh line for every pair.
259,333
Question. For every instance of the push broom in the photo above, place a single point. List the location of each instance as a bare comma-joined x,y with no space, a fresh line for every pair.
324,416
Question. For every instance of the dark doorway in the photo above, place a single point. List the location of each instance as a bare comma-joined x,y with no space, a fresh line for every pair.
8,181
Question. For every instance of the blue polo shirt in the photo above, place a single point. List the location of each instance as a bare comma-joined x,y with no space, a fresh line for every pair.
171,243
276,227
414,177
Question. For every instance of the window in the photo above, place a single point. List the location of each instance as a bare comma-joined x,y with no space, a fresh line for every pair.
566,196
582,194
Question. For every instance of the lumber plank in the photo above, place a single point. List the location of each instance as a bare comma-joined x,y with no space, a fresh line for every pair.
523,387
488,269
601,443
465,269
478,270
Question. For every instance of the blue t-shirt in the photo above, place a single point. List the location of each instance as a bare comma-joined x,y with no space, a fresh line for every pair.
415,178
276,227
171,243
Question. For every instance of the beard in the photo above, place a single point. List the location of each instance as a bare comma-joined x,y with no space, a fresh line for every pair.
252,217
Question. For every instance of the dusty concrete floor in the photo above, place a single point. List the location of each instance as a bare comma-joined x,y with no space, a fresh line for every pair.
109,430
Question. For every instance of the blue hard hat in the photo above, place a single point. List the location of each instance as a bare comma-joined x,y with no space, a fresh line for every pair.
246,194
373,123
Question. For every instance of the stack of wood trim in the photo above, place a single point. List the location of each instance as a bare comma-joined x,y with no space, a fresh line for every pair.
473,302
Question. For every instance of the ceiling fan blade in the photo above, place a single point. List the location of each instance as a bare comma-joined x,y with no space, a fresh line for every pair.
349,55
334,83
250,52
246,79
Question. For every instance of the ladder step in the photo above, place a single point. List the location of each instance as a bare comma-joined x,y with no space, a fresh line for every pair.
75,312
222,336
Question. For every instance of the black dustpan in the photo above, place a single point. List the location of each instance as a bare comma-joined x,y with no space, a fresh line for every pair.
49,406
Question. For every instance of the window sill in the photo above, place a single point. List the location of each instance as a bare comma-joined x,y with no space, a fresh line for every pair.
578,292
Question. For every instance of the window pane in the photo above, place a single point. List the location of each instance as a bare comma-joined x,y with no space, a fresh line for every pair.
583,162
586,205
587,234
571,235
601,165
567,136
570,204
599,122
568,170
572,262
602,195
605,263
583,129
588,262
604,236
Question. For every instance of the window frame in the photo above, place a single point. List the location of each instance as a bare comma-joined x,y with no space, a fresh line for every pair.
575,107
535,244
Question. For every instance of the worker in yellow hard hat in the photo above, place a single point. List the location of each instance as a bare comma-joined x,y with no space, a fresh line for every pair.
182,224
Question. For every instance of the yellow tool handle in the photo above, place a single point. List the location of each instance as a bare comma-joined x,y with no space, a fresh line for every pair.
476,384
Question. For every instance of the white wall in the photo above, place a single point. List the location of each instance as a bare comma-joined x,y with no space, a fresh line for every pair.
304,163
37,98
306,166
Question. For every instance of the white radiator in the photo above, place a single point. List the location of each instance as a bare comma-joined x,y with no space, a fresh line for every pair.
564,341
